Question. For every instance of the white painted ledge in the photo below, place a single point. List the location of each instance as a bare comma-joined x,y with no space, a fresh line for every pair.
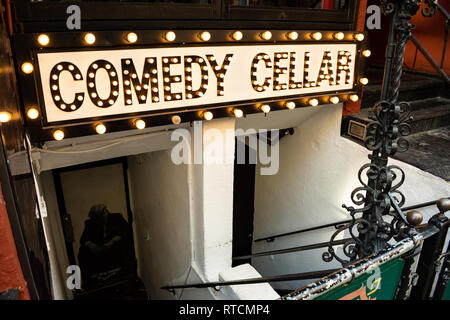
257,291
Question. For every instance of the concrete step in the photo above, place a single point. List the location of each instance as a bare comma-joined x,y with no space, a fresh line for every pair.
413,86
428,114
429,151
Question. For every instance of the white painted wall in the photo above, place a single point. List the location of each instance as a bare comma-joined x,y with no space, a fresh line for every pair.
160,199
214,224
318,171
183,217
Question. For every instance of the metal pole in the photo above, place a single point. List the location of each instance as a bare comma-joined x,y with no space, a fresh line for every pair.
294,249
385,137
335,224
427,267
286,277
390,53
444,49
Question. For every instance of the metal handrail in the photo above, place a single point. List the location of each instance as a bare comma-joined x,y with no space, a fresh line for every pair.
442,10
427,55
293,249
285,277
335,224
430,59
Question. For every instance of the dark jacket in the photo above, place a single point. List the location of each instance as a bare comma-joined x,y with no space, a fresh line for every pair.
104,258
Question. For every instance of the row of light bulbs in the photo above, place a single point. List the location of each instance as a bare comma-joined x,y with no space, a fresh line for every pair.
140,124
27,67
170,36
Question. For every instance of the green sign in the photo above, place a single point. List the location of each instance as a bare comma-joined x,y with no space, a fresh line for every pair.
446,295
379,284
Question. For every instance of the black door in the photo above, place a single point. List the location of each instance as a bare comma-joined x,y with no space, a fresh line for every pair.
243,205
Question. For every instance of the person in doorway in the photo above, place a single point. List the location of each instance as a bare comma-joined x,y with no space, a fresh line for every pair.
105,247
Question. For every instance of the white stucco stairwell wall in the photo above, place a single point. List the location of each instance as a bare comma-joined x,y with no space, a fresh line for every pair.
160,203
318,171
184,213
213,198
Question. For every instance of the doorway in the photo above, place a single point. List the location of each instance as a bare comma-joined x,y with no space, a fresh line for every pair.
243,203
107,262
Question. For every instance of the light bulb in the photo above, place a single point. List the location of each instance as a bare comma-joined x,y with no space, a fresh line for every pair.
237,35
265,108
364,81
316,35
339,35
366,53
266,35
313,102
290,105
334,100
100,128
27,67
170,36
354,97
238,113
205,36
176,119
5,116
140,124
89,38
43,40
58,135
32,113
359,36
208,115
132,37
292,35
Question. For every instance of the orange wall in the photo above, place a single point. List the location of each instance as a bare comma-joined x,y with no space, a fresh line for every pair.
10,270
429,32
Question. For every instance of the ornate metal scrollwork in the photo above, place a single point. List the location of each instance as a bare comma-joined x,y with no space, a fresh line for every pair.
379,199
386,7
390,123
371,232
430,10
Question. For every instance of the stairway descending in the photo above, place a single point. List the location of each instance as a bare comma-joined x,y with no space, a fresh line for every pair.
429,98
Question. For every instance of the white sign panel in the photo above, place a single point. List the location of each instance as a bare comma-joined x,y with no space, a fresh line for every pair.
81,85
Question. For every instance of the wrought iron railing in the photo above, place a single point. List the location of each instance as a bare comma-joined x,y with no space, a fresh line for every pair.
331,275
335,224
379,192
293,249
287,277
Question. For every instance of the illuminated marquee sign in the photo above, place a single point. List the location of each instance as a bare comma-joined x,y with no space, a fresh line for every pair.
82,85
83,80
